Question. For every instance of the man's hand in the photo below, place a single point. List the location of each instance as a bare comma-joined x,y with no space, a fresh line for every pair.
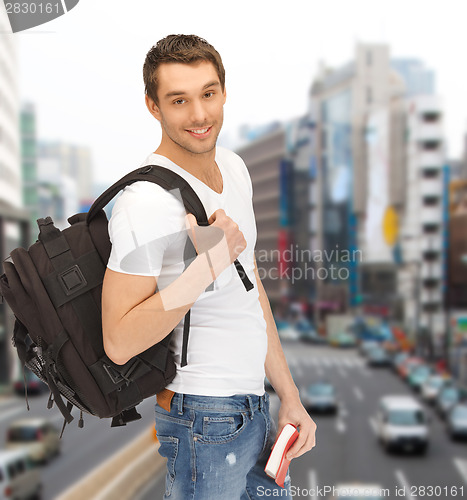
294,413
222,240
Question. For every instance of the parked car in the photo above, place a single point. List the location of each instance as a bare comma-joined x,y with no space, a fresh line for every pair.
448,396
343,339
456,421
398,359
320,396
366,345
418,375
19,479
38,436
407,365
431,387
34,384
377,356
402,423
307,332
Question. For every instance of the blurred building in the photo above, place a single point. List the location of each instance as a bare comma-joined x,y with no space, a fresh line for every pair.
14,223
74,162
57,192
381,176
29,166
263,157
344,102
456,291
358,182
424,218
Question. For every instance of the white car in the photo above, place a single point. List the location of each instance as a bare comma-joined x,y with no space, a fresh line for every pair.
37,436
402,423
431,387
18,478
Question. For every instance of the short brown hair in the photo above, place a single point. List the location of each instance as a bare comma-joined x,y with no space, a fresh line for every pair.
185,49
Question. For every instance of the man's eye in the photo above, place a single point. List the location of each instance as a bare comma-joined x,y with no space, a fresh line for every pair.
208,94
179,101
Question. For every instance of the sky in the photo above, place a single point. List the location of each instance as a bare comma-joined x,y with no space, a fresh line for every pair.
83,71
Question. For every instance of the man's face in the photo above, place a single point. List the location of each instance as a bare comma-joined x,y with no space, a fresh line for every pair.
190,106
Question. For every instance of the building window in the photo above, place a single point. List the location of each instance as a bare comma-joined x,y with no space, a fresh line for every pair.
431,116
430,201
430,228
431,172
429,145
432,307
431,283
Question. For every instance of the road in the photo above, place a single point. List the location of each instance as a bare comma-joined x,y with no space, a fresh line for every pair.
346,446
82,449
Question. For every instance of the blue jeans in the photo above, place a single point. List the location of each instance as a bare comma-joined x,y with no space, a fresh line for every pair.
217,448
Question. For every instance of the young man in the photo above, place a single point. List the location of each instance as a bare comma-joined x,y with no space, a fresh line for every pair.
212,421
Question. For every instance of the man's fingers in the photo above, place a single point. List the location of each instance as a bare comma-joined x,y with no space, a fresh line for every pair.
216,214
191,224
297,445
305,442
190,220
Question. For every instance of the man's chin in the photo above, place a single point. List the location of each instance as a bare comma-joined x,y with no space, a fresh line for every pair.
200,149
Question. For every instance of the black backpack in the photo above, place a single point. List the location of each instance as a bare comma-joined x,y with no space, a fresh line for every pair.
54,290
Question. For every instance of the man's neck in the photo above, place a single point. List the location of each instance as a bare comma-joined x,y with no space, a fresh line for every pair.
200,164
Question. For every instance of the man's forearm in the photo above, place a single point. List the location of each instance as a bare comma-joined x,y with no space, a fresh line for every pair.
277,370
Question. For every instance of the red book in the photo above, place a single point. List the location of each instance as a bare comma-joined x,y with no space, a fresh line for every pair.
277,464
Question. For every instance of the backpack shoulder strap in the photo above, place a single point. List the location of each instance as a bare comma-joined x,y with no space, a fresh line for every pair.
168,180
162,176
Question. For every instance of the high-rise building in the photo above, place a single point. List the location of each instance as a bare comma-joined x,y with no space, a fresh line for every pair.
341,101
263,157
13,219
74,162
423,220
29,165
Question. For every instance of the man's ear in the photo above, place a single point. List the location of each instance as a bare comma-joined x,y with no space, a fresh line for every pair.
225,93
153,108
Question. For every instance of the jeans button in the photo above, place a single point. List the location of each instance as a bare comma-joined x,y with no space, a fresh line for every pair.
195,438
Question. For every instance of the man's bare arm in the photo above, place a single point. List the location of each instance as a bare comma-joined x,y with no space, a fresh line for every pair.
135,318
277,370
278,373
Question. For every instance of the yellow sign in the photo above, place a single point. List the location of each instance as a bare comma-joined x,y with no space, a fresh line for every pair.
390,226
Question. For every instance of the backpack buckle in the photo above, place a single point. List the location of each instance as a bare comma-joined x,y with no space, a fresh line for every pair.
72,280
114,375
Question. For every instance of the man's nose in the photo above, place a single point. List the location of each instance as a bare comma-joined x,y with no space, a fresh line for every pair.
198,112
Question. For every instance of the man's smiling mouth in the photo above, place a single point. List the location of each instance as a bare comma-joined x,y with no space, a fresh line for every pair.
200,132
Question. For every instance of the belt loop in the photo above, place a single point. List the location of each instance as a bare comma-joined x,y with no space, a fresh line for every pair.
261,403
250,404
180,403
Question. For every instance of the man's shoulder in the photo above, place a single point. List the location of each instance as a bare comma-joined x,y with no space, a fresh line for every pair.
149,196
229,156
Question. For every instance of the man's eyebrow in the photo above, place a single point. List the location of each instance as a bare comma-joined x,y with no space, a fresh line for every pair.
174,93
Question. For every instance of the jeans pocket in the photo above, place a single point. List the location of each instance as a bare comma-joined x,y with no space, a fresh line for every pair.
221,428
169,449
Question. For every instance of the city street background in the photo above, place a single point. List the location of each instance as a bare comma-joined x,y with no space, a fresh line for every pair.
352,120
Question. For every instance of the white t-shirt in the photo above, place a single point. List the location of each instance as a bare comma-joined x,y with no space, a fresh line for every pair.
227,340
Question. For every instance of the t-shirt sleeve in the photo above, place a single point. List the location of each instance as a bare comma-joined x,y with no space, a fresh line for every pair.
145,220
